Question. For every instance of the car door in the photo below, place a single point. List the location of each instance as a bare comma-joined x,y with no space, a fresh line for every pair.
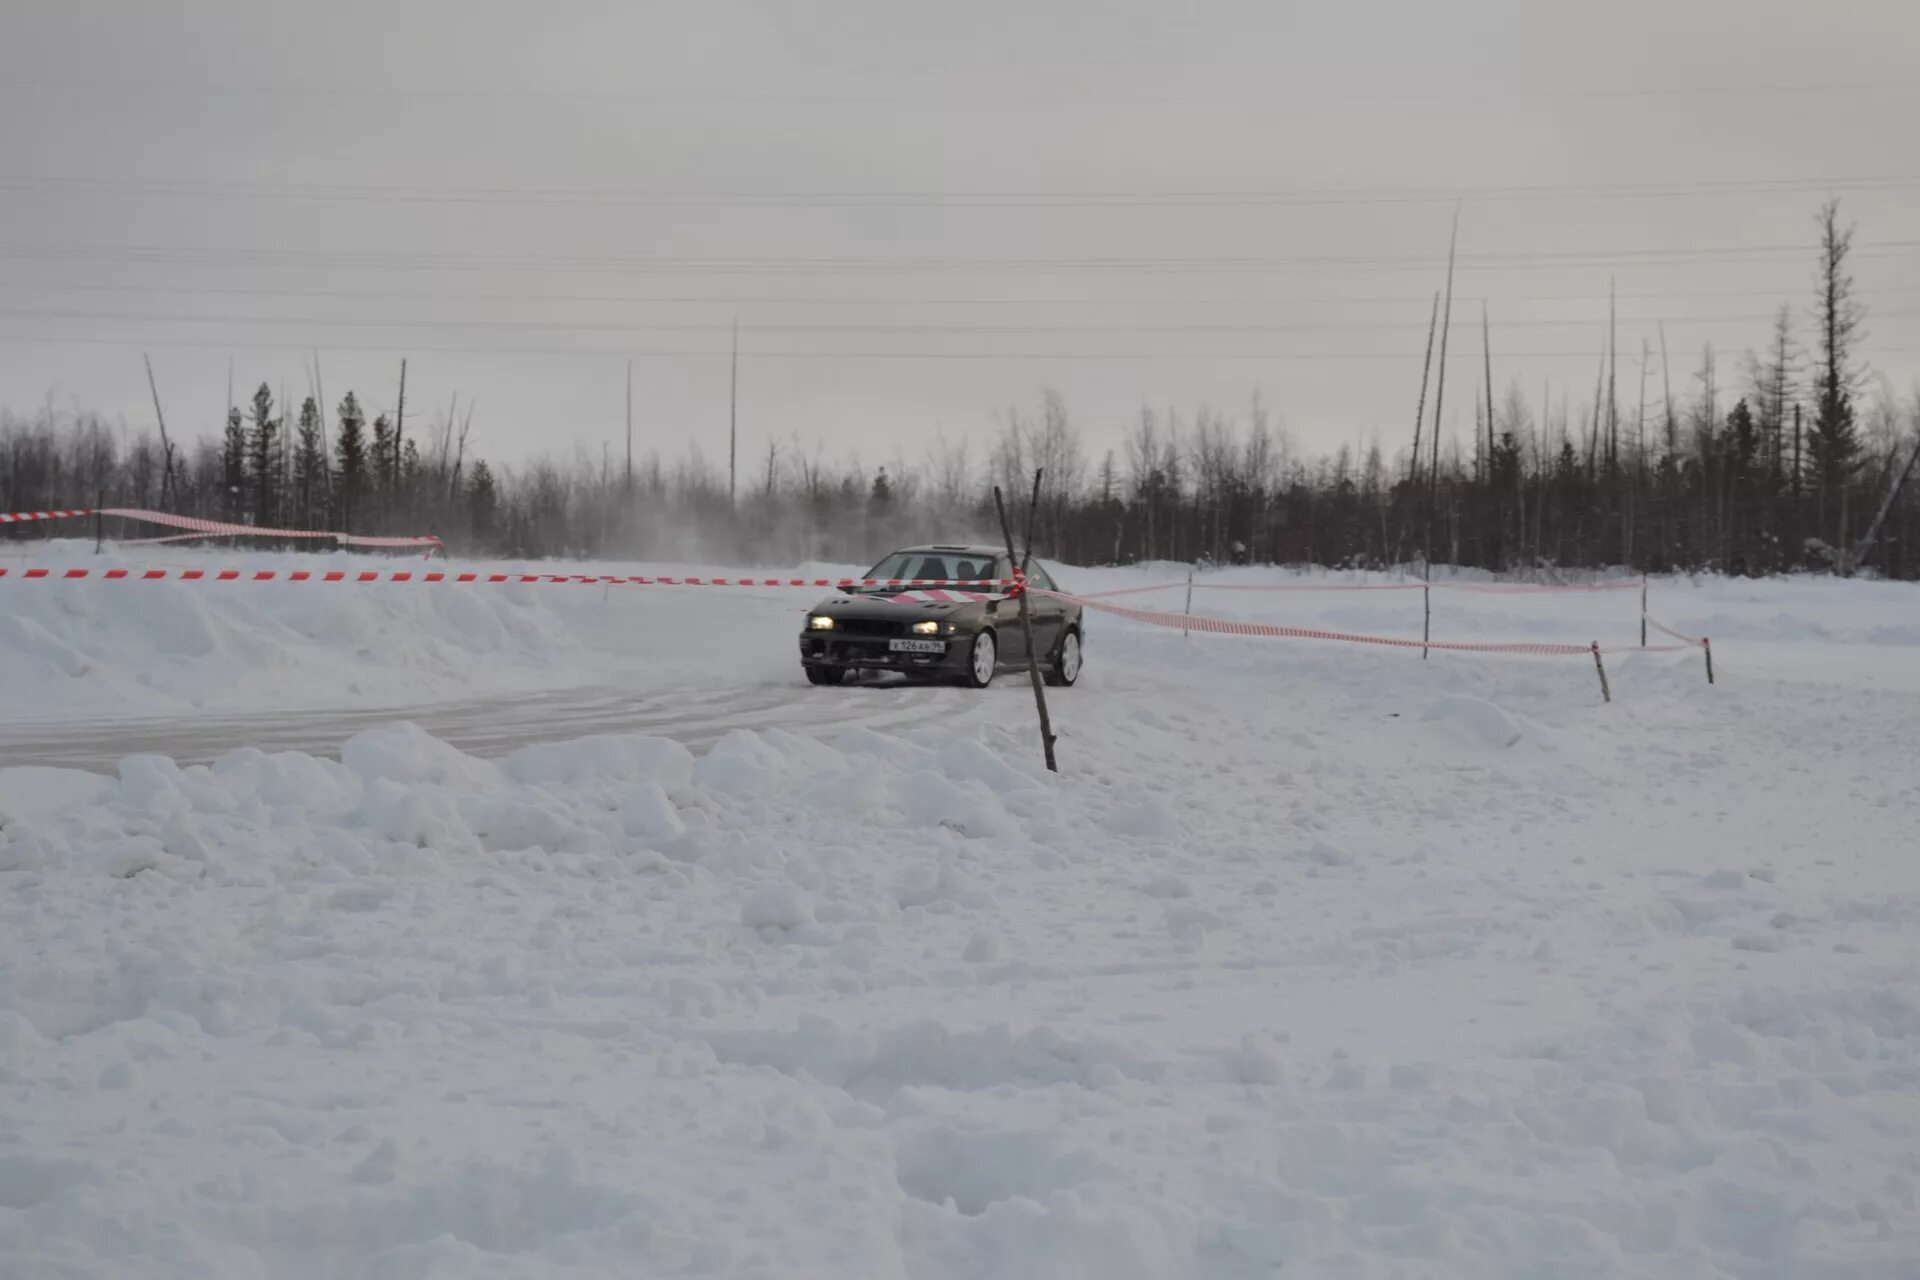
1005,615
1049,615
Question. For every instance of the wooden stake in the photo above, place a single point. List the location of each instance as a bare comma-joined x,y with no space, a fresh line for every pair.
1026,626
1426,621
99,534
1183,626
1643,611
1707,644
1606,694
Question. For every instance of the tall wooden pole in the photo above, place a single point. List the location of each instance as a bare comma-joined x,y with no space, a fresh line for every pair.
399,420
1420,412
1666,380
1440,388
1613,382
326,450
733,416
629,484
166,445
1851,560
1486,352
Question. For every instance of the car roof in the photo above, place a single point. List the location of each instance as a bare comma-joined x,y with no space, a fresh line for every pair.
948,549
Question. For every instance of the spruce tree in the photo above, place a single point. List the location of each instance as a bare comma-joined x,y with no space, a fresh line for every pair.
263,459
309,471
1834,445
350,454
383,458
482,501
233,467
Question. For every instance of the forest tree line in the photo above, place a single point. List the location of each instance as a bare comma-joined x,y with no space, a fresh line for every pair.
1774,464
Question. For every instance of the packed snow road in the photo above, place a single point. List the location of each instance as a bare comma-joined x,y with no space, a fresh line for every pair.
486,727
1313,961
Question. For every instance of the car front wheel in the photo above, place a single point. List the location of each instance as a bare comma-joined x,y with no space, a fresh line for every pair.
983,660
826,675
1066,663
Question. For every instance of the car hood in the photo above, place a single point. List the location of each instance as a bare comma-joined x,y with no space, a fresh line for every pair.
902,604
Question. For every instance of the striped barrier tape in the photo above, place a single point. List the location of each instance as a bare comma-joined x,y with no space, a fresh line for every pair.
197,527
1488,588
27,517
1309,586
40,573
1533,588
1692,642
1484,588
1223,626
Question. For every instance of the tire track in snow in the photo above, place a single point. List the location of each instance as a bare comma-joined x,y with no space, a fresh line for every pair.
490,727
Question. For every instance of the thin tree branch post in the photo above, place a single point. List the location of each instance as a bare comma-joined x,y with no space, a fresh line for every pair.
1189,608
1606,694
1643,611
1706,644
99,533
1026,625
1426,601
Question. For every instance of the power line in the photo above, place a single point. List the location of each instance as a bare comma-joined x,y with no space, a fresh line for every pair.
981,99
559,196
576,326
721,352
732,300
430,261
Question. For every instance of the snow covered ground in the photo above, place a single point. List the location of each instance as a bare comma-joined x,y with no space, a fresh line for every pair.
1315,960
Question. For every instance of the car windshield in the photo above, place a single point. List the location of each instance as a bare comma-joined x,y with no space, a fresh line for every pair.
943,566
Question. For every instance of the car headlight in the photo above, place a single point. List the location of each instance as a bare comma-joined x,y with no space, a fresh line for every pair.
926,628
819,623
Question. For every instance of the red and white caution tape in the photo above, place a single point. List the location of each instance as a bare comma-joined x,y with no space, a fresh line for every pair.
1533,588
1196,622
941,596
28,517
197,527
222,529
1696,642
1308,586
1488,588
1131,591
42,573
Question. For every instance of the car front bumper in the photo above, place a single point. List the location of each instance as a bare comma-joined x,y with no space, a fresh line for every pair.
873,653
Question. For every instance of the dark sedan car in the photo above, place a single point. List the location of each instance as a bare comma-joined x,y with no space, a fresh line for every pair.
942,632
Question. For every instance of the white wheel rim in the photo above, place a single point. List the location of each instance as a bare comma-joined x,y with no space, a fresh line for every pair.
983,655
1070,659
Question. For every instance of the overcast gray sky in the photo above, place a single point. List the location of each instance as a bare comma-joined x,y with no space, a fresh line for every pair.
922,214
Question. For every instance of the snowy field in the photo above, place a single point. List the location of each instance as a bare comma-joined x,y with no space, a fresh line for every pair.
1315,960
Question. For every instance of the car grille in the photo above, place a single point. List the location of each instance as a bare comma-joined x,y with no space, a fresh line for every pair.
869,627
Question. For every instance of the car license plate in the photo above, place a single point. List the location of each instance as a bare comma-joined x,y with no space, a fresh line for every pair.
917,646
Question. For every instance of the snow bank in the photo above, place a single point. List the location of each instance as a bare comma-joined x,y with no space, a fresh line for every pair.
93,647
1258,984
1315,961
